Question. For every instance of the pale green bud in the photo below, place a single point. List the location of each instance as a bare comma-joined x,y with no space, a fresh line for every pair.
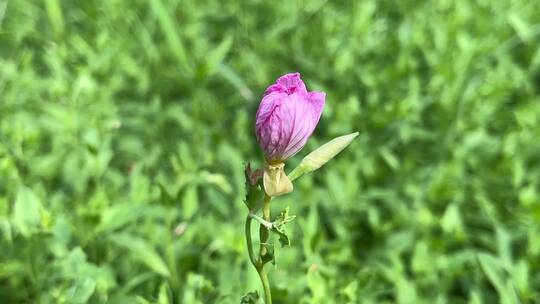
322,155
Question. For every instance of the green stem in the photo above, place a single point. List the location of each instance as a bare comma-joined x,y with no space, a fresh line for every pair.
263,231
264,235
252,257
257,263
266,285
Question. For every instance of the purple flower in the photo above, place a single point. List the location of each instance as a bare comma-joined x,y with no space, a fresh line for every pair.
287,116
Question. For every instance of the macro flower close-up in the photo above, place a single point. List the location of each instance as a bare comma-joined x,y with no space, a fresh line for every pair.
269,152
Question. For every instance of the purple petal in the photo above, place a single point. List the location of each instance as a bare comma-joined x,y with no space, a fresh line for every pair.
267,107
317,101
287,116
308,112
268,124
288,83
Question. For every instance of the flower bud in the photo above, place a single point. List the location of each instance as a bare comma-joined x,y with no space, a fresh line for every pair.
286,118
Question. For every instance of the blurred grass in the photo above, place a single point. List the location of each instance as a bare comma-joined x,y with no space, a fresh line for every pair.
124,126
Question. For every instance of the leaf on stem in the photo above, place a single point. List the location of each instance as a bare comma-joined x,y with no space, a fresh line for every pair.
279,224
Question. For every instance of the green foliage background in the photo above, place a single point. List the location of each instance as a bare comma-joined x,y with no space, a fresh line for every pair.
124,127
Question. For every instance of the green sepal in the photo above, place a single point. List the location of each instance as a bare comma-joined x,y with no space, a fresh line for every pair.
254,191
251,298
275,180
322,155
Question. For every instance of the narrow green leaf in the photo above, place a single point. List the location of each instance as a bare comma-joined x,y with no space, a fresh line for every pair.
164,294
54,10
493,268
169,27
141,250
238,82
215,56
322,155
119,215
218,180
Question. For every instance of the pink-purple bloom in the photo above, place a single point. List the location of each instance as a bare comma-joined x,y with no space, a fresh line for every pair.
287,116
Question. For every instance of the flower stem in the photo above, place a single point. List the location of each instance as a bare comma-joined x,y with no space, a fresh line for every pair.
258,262
264,234
263,231
266,285
252,257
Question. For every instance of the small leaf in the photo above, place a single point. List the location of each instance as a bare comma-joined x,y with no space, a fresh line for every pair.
81,291
284,239
253,191
26,216
250,298
218,180
284,218
269,256
322,155
190,202
143,251
279,224
119,215
451,220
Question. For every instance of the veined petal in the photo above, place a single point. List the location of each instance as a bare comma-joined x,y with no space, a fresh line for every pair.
267,106
268,125
287,116
307,112
289,84
317,101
